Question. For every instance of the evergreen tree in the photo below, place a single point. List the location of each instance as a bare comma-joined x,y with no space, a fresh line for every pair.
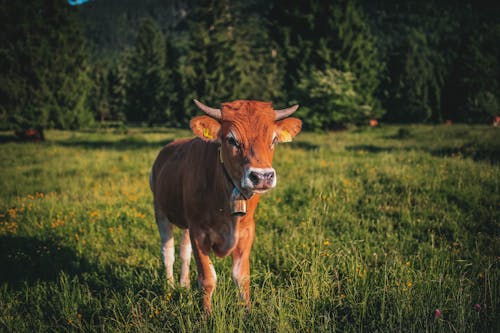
322,36
117,89
99,101
417,76
227,55
332,100
44,81
352,49
477,75
149,90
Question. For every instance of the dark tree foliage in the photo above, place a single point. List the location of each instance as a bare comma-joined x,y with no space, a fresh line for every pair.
319,39
416,80
117,91
226,55
149,89
44,80
99,102
343,61
428,48
473,91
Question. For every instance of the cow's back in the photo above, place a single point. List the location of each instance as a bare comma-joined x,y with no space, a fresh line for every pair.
183,177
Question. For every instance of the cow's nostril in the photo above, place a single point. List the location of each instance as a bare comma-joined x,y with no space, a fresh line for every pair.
268,176
254,178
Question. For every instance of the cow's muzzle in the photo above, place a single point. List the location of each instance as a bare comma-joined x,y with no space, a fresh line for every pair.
259,180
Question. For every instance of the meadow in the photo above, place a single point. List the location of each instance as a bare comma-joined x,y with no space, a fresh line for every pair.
384,229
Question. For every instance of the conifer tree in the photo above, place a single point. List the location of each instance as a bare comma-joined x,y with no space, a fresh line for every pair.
44,66
149,82
228,55
117,85
417,80
320,37
99,103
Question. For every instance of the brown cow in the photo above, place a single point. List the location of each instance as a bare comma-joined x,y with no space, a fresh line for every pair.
210,187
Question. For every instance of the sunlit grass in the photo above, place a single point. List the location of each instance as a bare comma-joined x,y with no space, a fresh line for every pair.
369,229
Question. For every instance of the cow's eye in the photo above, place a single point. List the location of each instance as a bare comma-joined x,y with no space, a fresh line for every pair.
232,141
275,141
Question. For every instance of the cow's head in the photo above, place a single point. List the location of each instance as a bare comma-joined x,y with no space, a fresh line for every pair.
248,132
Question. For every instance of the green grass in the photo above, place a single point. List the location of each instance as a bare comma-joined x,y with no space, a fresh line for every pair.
368,230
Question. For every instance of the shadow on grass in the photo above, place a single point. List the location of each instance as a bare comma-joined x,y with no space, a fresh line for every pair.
26,260
373,149
304,145
471,150
121,145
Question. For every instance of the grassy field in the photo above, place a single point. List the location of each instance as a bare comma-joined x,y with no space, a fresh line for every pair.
369,230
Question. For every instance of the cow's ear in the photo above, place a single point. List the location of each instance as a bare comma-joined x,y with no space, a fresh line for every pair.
288,128
205,128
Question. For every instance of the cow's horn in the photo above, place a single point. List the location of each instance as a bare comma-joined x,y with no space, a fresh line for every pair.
280,114
212,112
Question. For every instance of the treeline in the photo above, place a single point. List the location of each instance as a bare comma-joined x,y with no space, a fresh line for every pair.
343,61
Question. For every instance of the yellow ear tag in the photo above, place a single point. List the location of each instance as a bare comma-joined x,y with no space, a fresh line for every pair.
207,134
285,136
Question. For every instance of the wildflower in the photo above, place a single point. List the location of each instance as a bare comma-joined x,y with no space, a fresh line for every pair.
12,213
408,264
477,307
326,243
409,284
437,314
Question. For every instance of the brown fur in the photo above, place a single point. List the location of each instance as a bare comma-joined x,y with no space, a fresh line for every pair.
192,191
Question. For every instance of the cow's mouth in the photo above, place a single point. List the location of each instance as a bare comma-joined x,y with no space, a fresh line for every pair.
260,190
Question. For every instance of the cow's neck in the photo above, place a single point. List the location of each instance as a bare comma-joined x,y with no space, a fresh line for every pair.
239,196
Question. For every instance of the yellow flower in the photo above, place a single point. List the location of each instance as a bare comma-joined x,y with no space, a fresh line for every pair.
407,264
409,284
326,243
12,213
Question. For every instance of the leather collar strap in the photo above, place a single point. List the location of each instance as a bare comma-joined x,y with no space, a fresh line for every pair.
246,197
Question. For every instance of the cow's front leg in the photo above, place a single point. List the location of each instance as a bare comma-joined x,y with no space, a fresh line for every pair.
206,273
241,263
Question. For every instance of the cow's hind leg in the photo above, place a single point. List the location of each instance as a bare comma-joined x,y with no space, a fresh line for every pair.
185,250
166,230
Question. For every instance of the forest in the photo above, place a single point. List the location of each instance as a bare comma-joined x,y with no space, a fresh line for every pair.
111,62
